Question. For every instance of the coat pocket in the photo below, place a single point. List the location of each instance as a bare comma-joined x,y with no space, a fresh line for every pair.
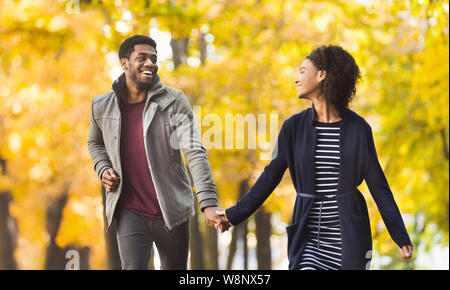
296,235
178,195
362,225
362,246
291,233
169,139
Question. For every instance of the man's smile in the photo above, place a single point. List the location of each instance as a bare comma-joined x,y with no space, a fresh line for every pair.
147,73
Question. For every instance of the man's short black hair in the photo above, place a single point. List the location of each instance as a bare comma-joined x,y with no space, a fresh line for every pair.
127,47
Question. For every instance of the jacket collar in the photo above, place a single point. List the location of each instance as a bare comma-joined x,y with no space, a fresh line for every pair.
119,85
312,114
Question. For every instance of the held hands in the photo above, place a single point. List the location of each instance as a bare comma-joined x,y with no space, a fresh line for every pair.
110,180
216,216
224,226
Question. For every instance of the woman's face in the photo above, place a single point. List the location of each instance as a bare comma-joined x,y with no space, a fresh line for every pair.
308,80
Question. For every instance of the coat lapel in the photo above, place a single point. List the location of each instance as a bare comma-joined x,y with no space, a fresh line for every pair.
148,117
310,151
149,113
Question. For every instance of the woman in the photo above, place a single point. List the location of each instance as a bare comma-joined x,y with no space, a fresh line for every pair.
329,150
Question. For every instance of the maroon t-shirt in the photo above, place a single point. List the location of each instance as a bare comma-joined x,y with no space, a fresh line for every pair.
138,191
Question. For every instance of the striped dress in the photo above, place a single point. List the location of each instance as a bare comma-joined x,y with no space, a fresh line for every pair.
323,247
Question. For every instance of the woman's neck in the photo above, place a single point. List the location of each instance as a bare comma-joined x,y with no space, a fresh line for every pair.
325,112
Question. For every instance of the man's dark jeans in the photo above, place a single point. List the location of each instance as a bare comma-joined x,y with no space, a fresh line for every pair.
136,234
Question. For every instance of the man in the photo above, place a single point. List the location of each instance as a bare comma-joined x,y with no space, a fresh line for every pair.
136,132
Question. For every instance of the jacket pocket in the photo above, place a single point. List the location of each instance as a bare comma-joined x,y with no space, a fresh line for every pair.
362,224
363,238
296,239
168,133
291,232
179,194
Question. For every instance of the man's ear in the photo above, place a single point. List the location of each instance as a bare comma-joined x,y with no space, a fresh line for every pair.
124,63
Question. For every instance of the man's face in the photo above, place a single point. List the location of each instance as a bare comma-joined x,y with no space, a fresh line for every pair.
141,68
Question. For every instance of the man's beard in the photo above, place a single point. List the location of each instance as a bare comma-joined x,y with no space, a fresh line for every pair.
141,84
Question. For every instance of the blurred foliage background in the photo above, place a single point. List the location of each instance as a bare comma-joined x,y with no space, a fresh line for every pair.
229,57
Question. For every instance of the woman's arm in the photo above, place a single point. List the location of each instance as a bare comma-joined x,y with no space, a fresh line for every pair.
381,193
264,186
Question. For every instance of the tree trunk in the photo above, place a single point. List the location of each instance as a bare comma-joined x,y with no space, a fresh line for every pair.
8,227
212,258
232,247
202,46
8,233
195,242
179,50
244,232
112,249
57,258
197,258
239,232
263,232
243,189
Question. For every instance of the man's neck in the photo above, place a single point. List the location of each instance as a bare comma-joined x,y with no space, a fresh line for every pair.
132,93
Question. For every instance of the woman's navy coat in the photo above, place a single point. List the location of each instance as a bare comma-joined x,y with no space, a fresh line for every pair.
295,149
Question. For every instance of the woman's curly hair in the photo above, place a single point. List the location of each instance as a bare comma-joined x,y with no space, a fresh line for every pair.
342,74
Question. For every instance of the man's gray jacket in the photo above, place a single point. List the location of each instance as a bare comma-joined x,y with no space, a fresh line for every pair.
168,126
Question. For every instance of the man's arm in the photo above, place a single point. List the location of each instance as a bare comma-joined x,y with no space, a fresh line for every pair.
96,147
190,143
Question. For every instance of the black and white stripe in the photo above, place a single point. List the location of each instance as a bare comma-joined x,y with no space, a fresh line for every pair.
323,249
